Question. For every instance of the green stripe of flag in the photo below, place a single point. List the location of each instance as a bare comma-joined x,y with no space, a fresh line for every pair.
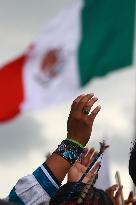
107,37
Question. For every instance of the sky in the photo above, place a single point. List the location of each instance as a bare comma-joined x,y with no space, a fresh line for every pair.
25,141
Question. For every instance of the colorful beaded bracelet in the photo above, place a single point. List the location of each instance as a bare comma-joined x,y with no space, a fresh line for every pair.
69,151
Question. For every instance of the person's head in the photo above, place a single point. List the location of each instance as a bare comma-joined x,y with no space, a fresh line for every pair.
93,196
132,163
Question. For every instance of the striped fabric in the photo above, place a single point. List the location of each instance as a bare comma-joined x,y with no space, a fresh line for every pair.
36,188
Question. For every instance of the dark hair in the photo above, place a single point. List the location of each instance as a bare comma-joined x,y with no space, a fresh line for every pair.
94,196
2,202
132,162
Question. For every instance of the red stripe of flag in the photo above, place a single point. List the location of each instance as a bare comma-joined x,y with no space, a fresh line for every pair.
11,88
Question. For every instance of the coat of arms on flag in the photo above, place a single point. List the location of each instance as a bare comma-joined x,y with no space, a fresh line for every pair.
52,63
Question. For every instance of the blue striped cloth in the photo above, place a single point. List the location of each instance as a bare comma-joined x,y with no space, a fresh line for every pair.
36,188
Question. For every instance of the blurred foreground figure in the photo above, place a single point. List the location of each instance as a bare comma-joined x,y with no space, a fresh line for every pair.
132,163
115,193
87,194
2,202
93,196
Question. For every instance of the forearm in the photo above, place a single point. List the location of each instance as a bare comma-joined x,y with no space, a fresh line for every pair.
44,182
64,157
59,166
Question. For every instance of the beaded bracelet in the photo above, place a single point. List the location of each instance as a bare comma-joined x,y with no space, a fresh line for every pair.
76,142
69,151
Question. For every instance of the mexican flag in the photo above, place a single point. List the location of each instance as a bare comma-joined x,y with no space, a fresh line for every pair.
87,39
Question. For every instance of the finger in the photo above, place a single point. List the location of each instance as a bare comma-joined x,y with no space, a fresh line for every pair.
90,153
130,198
95,168
130,195
118,193
76,163
82,156
113,187
84,151
83,101
76,101
90,103
91,173
87,162
132,201
111,190
94,113
83,169
87,157
93,157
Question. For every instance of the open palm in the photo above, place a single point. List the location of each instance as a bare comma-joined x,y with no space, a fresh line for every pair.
81,165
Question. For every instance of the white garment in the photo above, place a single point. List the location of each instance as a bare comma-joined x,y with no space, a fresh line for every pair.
36,188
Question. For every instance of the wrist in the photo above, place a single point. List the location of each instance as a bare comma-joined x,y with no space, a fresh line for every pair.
77,139
75,142
69,150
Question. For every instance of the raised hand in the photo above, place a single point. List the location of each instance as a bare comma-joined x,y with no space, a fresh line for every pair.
114,193
131,200
81,165
79,128
81,118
